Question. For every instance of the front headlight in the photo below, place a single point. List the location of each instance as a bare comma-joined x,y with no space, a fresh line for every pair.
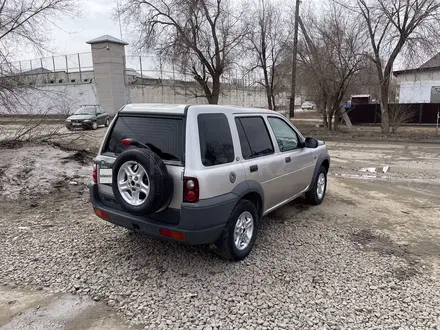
87,120
68,120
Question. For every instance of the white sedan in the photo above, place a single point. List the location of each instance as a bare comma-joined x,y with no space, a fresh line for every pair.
308,105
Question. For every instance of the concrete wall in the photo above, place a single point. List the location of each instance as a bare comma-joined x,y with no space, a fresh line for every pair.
54,99
416,87
250,97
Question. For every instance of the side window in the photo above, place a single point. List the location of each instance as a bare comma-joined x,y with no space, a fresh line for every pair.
98,111
216,145
254,137
287,138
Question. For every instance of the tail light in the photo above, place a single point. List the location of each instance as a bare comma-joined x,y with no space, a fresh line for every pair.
101,214
172,234
190,190
95,173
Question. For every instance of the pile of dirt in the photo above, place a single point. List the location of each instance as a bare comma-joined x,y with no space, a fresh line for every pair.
83,157
34,170
11,144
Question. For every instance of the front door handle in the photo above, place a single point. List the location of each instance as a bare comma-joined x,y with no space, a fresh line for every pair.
288,159
254,168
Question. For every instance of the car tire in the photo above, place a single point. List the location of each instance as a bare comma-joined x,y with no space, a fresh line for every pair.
160,183
107,122
226,245
94,125
316,194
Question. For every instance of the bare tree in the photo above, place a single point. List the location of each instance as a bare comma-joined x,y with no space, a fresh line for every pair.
24,23
396,27
199,35
268,38
330,55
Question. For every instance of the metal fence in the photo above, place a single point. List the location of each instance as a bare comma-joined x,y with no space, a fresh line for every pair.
420,113
149,67
240,86
153,67
73,63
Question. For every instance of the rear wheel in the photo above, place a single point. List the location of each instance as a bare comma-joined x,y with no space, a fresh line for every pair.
107,122
240,233
316,194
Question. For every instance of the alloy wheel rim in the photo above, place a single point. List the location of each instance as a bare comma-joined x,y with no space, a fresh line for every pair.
320,187
243,231
133,183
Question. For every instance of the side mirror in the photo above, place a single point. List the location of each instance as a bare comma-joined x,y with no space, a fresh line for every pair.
311,143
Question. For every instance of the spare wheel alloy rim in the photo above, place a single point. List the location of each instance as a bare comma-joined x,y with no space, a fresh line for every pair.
133,183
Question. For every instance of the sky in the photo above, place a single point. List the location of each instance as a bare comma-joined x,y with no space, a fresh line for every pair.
69,35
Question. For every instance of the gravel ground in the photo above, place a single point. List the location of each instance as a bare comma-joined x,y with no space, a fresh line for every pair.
301,275
308,270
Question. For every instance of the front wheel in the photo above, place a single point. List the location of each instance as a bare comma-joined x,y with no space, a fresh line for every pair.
240,233
316,194
94,125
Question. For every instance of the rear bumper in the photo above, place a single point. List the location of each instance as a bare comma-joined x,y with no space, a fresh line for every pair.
202,223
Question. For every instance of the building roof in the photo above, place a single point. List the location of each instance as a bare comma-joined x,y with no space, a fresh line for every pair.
107,38
432,64
37,71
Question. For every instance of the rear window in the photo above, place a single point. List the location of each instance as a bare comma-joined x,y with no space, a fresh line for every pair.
164,136
216,145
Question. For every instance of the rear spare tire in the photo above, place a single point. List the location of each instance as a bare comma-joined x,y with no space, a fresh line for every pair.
141,183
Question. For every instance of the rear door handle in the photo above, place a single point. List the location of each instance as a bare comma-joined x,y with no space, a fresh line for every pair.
288,159
254,168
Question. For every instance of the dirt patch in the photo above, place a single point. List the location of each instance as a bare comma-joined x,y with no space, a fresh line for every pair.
363,237
83,157
382,244
34,170
11,144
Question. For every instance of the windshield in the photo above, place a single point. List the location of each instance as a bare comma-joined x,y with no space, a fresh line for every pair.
163,135
85,111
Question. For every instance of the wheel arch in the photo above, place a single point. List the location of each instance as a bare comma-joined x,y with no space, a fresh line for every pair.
323,160
253,192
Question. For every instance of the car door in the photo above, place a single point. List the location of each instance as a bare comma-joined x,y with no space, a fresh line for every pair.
99,116
260,161
299,160
104,116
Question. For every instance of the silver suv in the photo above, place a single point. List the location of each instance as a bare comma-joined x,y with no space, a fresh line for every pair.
203,174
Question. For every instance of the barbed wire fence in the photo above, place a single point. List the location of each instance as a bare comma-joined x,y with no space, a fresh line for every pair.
157,80
239,86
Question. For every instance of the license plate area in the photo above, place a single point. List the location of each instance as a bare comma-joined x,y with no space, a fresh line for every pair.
105,175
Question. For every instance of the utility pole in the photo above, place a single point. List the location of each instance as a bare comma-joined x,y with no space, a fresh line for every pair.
294,59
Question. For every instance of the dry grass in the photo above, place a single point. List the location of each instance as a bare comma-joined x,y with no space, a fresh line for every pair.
306,123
